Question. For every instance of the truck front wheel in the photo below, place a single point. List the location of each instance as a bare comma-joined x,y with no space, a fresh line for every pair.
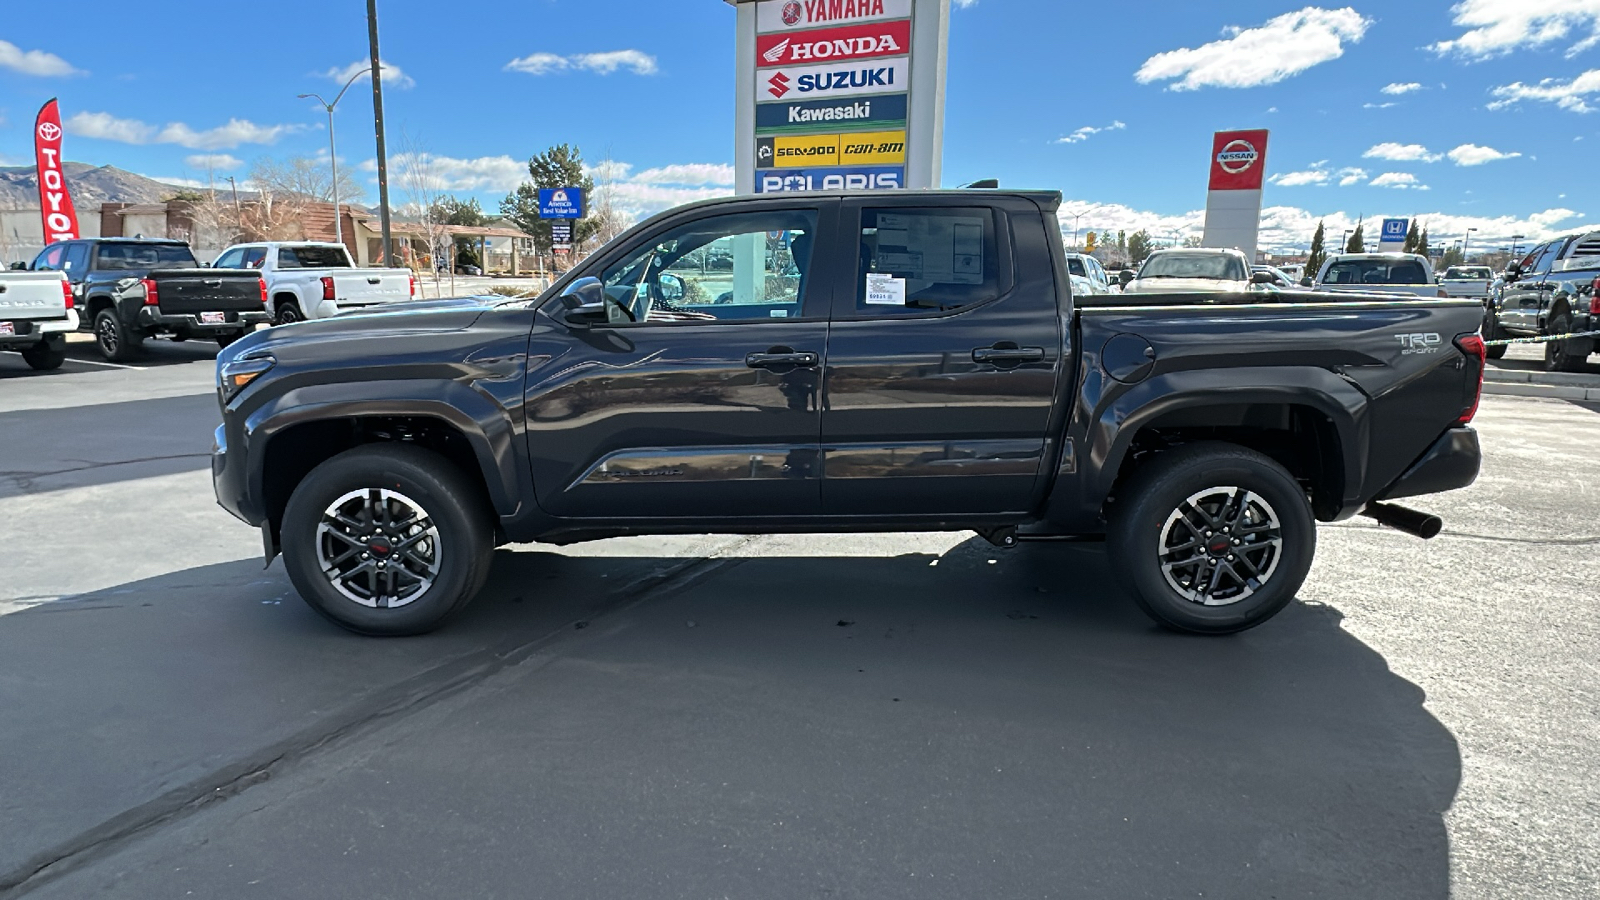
1212,538
387,539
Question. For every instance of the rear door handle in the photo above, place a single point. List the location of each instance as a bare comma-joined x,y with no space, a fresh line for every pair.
1007,353
780,357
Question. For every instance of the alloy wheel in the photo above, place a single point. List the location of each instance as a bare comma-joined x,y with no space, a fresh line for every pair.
106,331
378,548
1220,545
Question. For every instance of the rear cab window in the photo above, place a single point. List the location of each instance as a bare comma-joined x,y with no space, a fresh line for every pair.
312,257
1376,271
928,260
114,257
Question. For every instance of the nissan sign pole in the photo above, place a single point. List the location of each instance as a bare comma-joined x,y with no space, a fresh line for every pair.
1233,198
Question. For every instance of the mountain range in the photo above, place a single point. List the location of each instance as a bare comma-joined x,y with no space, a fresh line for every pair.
89,185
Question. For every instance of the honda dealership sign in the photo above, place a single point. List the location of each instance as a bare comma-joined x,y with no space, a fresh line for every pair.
1233,201
839,94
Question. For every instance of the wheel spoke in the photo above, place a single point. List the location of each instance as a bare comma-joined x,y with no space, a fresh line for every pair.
1220,545
358,526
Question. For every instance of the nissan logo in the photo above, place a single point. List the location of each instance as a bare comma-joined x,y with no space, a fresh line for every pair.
1237,156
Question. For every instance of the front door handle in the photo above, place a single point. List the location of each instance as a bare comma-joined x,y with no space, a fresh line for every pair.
1006,353
781,357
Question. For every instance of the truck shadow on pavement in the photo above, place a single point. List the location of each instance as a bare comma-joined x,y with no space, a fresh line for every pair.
977,723
77,446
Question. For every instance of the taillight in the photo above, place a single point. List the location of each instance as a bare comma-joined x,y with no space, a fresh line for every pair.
1443,292
151,296
1594,300
263,291
66,292
414,285
327,287
1472,346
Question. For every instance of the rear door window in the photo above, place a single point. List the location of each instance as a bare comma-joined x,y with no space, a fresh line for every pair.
50,259
230,260
1547,257
927,259
77,259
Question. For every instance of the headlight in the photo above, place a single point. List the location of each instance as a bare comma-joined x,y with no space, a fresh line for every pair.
232,377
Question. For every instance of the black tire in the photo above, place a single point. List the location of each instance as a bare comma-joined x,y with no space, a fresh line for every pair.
1156,495
46,355
1493,332
462,548
1556,358
117,342
287,312
223,340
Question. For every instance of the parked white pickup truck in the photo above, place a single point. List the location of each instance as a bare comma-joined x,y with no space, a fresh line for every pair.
1467,281
314,280
36,314
1380,273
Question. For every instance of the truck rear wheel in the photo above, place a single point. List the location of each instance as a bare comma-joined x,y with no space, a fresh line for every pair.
1493,332
117,342
387,540
288,312
1557,358
46,355
1212,538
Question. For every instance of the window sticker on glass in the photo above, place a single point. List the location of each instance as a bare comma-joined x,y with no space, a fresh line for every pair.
885,290
933,249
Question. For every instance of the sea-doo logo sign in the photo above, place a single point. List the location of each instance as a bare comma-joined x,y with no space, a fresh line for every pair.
49,131
784,15
835,44
1237,156
837,81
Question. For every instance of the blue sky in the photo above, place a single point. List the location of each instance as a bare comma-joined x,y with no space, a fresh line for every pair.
1473,114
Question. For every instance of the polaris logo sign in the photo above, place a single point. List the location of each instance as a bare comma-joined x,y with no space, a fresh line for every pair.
859,178
838,81
834,44
793,15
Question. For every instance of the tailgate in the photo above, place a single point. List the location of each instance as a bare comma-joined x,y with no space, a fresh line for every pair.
31,296
365,288
190,291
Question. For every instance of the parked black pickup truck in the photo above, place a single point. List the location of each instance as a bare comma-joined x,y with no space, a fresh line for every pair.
888,361
1554,290
130,289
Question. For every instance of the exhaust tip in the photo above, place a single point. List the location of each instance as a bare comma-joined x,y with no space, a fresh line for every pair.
1421,524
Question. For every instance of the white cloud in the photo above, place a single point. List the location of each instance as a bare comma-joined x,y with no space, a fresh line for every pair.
1402,153
720,174
1283,46
1377,105
963,4
1088,131
636,61
178,182
391,73
445,173
1569,95
1497,27
1303,177
642,194
132,131
34,62
220,161
1351,175
1474,155
1398,88
1400,181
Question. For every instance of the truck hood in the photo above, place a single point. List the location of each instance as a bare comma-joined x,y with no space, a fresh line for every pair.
379,323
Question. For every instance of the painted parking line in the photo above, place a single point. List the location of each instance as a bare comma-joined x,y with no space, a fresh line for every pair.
109,365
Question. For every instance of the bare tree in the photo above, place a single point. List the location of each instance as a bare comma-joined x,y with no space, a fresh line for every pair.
423,190
303,176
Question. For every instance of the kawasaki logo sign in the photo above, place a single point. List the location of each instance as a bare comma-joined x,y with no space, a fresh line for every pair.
835,81
831,115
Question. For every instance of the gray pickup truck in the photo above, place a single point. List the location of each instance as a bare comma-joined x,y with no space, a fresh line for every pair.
36,314
1553,291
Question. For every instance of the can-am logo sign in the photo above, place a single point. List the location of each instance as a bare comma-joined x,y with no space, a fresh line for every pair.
1237,156
838,81
835,44
785,15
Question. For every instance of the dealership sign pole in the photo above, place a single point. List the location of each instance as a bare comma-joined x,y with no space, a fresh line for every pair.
55,204
1233,201
839,94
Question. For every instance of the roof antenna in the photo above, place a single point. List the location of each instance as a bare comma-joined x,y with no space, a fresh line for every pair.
982,184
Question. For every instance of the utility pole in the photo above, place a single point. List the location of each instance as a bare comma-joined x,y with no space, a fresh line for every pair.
377,125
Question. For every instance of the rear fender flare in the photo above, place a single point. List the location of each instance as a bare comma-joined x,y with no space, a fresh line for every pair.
484,423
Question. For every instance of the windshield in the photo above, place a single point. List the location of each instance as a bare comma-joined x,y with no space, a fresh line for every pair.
144,256
1218,266
1075,267
312,257
1376,271
1468,272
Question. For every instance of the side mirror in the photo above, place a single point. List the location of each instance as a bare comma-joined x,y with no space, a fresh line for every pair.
19,266
584,301
1306,281
671,287
1125,276
1262,278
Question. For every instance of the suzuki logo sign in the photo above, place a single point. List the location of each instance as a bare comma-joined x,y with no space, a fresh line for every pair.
779,85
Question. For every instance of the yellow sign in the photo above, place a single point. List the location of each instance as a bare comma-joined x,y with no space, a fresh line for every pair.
873,148
806,150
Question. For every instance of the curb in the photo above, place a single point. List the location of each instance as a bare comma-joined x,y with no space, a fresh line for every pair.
1548,391
1520,376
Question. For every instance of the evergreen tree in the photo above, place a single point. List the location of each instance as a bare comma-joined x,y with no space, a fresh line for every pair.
1422,243
1122,241
560,166
1139,246
1357,243
1413,234
1318,254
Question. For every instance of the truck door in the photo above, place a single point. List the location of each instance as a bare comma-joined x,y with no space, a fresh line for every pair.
944,358
1521,305
698,397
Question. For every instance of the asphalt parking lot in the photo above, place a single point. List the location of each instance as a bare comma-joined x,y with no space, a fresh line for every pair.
896,715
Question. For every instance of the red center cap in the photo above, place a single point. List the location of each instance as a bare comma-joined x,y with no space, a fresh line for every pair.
379,548
1218,546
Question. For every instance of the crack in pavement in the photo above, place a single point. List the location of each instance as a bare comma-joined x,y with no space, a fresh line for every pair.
388,704
1466,535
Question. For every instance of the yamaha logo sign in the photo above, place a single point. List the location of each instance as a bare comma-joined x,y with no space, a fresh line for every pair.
1237,156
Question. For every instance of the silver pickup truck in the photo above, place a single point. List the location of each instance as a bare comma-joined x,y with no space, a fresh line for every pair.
36,314
1467,281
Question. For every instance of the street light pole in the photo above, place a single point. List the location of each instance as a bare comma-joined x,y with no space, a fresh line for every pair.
333,153
1514,239
1465,241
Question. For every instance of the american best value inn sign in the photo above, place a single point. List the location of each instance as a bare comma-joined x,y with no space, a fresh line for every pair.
840,94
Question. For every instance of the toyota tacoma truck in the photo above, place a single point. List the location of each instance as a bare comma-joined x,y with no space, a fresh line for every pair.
1552,292
36,313
315,280
132,289
899,361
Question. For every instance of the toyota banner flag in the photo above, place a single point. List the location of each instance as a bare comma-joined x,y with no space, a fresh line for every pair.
55,205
